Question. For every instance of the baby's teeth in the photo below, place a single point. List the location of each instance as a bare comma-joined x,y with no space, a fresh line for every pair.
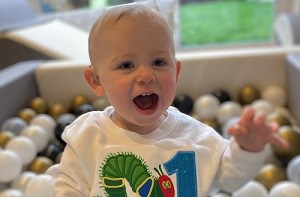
144,94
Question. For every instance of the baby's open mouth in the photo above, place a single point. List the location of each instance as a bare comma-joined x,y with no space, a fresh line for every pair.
146,101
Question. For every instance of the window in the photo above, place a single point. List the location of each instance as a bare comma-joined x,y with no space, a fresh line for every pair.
214,23
226,22
207,23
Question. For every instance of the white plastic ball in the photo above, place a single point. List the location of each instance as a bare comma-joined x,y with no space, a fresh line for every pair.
206,106
22,180
275,94
45,121
11,193
262,106
227,124
251,189
285,189
24,147
39,186
220,195
293,170
38,135
228,110
10,166
14,124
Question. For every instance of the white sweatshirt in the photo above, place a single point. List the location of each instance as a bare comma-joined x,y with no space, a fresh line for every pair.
183,158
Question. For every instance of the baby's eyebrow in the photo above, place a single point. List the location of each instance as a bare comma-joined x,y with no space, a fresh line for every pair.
122,56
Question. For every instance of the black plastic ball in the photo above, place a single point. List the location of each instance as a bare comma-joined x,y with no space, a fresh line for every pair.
222,95
51,151
82,109
183,103
59,129
68,117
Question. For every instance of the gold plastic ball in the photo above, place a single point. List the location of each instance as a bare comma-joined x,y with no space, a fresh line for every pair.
248,94
293,138
270,174
5,136
78,101
39,105
40,164
57,109
212,123
27,114
279,118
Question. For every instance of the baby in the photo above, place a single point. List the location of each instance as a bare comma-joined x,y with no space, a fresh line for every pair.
141,146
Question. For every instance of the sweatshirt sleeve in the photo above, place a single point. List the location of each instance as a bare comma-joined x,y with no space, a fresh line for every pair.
68,176
238,166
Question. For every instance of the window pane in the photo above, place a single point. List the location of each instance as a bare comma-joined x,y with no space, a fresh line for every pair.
226,22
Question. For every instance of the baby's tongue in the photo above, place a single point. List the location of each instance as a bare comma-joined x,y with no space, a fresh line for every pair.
145,102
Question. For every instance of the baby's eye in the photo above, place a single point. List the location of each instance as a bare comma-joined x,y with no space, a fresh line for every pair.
126,65
159,62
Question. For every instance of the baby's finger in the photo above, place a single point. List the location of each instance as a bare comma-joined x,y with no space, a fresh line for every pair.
274,127
259,119
247,115
279,141
234,130
237,130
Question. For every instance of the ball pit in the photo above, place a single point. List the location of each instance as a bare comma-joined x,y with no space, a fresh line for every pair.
228,110
38,135
14,124
206,106
39,186
27,114
275,95
10,166
60,80
252,188
41,135
285,189
22,180
46,122
24,147
33,145
292,135
227,114
293,170
262,106
271,174
11,193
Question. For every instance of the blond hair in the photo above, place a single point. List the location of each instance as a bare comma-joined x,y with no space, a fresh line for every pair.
114,14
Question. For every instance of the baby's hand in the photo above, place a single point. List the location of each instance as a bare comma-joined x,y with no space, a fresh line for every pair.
252,133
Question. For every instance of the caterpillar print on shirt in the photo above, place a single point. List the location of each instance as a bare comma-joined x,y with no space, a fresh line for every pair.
120,167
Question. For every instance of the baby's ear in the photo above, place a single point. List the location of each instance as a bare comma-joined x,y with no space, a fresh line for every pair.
93,81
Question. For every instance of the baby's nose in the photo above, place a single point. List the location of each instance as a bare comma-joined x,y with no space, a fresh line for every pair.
145,76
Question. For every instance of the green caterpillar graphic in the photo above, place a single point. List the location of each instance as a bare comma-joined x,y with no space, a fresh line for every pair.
127,166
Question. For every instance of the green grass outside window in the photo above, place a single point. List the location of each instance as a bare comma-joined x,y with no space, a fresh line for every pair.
225,22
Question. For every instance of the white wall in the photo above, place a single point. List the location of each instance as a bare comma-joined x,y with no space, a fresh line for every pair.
287,6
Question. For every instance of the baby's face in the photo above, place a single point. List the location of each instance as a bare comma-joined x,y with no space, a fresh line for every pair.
137,70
